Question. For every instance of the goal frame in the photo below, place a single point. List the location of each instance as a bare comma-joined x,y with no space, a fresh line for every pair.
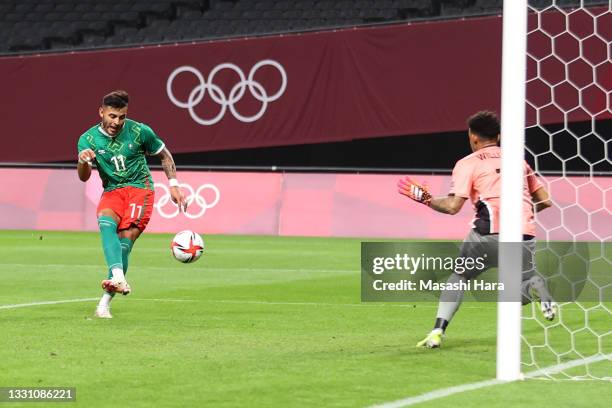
514,75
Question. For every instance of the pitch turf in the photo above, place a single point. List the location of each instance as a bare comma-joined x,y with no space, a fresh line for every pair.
258,322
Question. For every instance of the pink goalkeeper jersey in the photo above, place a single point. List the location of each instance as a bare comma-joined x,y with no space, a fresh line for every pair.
477,177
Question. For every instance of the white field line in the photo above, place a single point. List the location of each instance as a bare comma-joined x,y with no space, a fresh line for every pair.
48,302
367,304
557,368
58,302
256,302
213,269
445,392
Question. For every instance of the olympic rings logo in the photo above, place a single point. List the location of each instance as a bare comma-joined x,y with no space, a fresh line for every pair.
205,85
193,196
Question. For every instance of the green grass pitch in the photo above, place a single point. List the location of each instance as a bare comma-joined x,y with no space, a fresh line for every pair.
257,322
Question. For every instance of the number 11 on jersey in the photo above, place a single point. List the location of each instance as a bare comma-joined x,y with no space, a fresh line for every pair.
119,162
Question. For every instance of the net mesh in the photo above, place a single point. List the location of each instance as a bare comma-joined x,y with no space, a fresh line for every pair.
568,143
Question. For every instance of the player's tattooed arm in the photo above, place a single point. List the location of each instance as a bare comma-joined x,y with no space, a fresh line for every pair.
167,163
450,204
169,167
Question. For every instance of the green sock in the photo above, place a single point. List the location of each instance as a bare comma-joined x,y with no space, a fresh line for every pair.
110,243
126,248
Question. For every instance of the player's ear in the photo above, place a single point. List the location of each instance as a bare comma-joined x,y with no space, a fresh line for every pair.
471,136
101,111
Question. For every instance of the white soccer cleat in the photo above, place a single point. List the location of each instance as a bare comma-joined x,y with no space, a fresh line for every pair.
549,310
103,312
116,286
538,293
433,339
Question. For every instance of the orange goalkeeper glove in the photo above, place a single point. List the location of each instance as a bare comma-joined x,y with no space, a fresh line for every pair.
414,190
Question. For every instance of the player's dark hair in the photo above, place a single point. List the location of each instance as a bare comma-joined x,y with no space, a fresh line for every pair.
117,99
485,124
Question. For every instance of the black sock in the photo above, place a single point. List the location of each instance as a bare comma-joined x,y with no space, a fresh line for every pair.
441,324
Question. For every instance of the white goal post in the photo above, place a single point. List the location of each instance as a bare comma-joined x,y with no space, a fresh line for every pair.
514,69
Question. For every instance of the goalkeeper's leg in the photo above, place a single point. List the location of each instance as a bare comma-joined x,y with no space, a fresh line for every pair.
474,246
533,287
447,307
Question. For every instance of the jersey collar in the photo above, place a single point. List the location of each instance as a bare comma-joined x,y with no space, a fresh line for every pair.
104,131
106,134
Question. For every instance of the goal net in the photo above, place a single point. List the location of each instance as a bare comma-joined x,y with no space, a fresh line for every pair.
568,143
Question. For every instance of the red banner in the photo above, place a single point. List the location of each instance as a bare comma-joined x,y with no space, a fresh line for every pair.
281,90
294,89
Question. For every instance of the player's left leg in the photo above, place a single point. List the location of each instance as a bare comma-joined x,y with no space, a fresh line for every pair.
474,246
127,238
450,300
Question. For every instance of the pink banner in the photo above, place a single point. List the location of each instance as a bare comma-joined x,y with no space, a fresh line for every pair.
347,205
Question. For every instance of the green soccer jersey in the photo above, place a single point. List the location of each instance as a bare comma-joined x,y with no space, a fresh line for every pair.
121,159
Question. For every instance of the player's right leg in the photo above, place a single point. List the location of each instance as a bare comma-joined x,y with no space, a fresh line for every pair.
109,207
103,309
533,287
108,221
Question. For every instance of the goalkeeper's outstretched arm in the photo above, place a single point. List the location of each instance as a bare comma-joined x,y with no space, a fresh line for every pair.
450,204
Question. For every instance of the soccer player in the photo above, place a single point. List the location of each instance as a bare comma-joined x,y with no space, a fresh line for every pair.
118,146
477,177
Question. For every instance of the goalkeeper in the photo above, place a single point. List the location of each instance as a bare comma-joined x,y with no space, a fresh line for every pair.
477,177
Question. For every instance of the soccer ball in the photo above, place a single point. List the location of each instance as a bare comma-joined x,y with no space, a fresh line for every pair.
187,246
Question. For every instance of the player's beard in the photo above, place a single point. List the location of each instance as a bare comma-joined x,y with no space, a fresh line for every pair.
108,128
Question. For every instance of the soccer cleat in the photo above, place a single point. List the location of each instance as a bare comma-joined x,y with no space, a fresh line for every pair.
549,310
538,293
103,312
433,339
113,286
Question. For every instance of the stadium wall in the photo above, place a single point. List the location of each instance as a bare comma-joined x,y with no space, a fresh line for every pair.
328,86
348,205
323,86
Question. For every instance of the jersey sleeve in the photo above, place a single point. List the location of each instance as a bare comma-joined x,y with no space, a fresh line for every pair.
152,143
84,143
461,183
533,183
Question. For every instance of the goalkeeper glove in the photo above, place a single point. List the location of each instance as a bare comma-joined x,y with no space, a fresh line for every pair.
414,190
